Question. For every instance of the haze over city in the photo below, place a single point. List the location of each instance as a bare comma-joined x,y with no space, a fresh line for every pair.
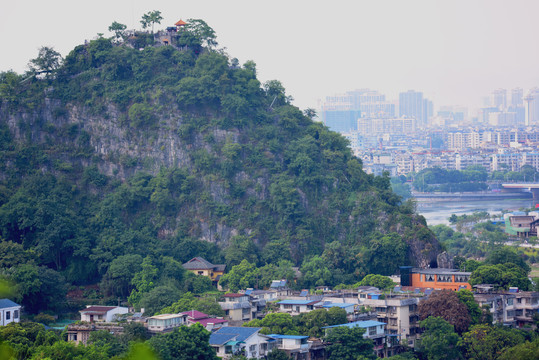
454,52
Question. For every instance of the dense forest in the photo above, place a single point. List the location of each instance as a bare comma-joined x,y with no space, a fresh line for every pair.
129,157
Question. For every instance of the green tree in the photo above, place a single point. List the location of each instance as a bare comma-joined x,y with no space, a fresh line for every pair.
439,340
528,350
184,343
379,281
117,280
202,31
278,354
150,19
47,62
158,298
118,30
487,342
275,323
348,344
466,297
144,281
315,272
241,276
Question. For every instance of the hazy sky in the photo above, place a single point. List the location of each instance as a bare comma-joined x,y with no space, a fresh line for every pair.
455,51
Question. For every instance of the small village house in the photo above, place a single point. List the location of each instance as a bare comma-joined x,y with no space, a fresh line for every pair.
97,313
9,312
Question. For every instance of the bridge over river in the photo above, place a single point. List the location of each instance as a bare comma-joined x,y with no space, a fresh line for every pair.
506,191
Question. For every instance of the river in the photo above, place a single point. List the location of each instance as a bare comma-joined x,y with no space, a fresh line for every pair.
438,212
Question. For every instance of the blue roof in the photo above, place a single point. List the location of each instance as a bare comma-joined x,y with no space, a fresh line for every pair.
220,339
296,302
304,293
295,337
248,291
361,324
240,333
6,303
341,305
278,283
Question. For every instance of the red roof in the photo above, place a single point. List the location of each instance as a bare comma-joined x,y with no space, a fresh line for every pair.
194,314
181,23
205,322
97,309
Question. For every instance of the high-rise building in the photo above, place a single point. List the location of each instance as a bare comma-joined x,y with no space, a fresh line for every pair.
413,105
340,112
531,102
517,96
498,99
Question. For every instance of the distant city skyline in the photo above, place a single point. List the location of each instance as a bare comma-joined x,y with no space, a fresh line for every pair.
454,52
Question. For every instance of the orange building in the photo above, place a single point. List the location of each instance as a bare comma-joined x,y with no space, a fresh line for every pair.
437,279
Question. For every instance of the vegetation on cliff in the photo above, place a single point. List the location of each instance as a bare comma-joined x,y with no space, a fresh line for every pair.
129,149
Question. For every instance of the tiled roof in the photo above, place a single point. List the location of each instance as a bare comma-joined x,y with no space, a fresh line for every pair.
220,339
97,309
198,263
205,322
194,314
6,303
241,333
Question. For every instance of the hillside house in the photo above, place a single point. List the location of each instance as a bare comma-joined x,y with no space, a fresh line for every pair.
229,341
238,308
200,266
400,315
166,322
9,312
97,313
80,333
374,330
210,323
296,307
296,346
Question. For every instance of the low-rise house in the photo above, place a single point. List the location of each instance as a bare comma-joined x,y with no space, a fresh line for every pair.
238,308
296,307
97,313
374,330
526,304
501,308
205,320
513,307
9,312
166,322
229,341
200,266
80,333
296,346
349,308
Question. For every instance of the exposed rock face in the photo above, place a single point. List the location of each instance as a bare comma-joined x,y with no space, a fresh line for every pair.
121,151
444,260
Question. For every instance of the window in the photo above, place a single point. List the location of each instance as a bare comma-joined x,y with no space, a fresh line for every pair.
8,315
16,314
510,301
201,273
372,330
